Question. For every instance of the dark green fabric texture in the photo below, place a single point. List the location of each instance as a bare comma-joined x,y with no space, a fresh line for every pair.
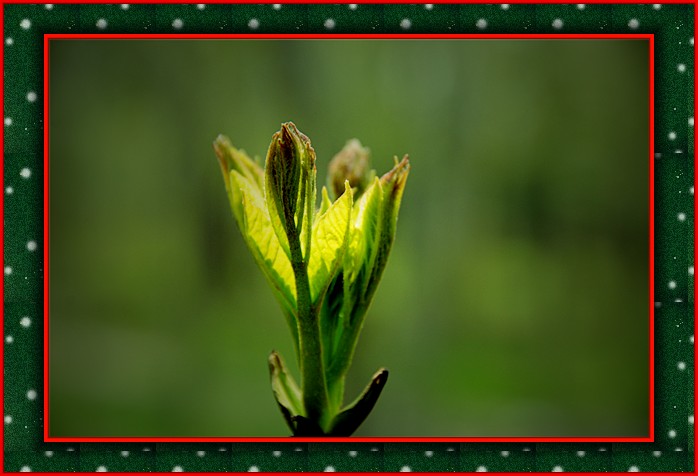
673,28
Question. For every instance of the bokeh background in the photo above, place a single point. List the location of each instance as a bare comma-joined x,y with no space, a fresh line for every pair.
515,301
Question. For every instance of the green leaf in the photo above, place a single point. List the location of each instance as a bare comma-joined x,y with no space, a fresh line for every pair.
393,184
346,422
229,159
325,203
372,237
329,240
332,319
286,391
262,240
348,307
305,215
366,222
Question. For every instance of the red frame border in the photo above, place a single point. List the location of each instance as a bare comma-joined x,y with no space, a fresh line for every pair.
49,37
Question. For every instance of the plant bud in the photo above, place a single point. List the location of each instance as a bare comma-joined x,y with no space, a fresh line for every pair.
352,163
282,170
290,186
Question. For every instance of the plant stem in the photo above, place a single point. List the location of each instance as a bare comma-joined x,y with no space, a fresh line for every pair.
313,384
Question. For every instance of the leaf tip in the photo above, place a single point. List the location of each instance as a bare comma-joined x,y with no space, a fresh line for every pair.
380,377
274,362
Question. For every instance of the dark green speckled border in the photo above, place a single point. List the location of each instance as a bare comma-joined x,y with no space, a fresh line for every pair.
673,28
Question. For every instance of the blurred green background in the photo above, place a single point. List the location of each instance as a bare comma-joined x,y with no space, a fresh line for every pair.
515,302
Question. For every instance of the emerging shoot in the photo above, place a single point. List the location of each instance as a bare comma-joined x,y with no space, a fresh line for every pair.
323,264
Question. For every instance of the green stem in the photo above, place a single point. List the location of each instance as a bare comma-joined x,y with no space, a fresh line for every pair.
313,383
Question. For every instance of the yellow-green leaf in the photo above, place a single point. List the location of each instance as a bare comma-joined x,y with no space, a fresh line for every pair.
231,158
262,240
329,240
325,203
365,230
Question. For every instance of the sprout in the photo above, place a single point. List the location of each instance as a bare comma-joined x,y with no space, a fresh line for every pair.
323,265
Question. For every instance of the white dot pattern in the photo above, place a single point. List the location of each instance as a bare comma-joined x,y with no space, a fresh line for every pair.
19,36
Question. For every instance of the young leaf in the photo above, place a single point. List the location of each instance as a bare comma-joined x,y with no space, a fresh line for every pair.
286,391
305,214
366,221
325,203
393,184
231,158
332,319
358,259
330,235
262,241
372,239
346,422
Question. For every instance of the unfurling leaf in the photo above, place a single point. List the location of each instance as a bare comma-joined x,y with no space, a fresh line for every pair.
325,203
286,391
330,236
350,418
393,184
231,159
373,231
262,241
365,223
